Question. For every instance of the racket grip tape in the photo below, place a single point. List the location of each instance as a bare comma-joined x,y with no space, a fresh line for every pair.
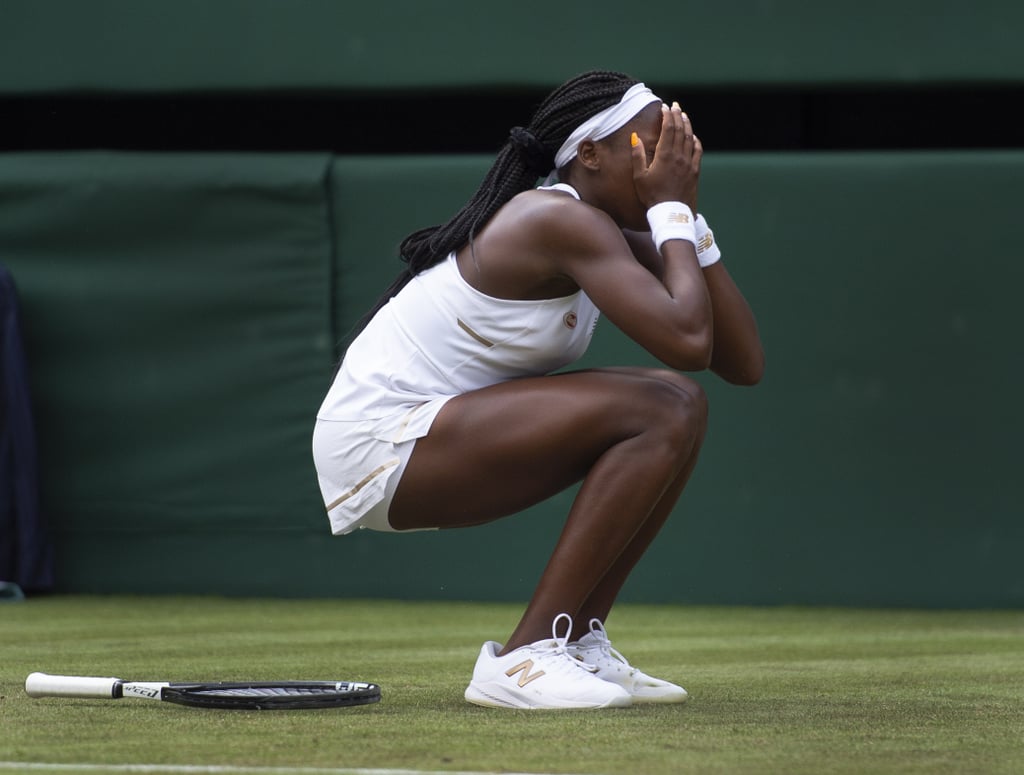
45,685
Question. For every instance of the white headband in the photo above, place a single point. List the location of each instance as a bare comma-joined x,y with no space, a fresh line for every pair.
607,121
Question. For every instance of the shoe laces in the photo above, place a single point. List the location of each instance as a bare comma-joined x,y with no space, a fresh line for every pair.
604,644
560,644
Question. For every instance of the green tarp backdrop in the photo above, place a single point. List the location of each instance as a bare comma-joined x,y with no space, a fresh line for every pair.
182,313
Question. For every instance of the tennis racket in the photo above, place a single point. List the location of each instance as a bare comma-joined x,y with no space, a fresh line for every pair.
245,695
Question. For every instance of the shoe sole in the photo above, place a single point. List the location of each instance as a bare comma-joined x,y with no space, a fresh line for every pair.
663,699
497,697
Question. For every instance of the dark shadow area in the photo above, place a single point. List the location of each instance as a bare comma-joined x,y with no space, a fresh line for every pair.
959,117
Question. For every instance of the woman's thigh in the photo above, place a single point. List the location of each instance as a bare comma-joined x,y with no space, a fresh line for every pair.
498,450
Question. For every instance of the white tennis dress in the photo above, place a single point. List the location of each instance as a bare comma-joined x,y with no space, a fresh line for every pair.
438,338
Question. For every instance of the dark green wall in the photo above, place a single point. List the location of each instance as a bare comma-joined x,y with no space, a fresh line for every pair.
183,310
260,45
178,324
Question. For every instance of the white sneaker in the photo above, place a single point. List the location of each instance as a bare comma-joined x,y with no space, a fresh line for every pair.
595,649
541,675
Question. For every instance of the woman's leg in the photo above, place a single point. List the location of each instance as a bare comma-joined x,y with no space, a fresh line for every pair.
600,601
631,435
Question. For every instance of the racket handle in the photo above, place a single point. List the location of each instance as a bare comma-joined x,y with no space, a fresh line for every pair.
44,685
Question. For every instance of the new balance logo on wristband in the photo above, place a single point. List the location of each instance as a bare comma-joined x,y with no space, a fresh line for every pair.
705,242
671,220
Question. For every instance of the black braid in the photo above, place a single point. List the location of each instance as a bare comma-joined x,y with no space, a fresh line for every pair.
514,170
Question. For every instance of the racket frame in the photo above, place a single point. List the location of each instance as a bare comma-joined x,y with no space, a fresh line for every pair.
230,695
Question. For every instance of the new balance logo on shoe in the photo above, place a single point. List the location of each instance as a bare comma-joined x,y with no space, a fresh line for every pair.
524,668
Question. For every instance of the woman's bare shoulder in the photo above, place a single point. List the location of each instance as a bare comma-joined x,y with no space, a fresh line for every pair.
557,220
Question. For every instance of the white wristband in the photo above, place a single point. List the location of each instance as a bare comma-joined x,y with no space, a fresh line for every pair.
671,220
707,249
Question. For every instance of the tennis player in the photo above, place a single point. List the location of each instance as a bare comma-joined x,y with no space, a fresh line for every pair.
450,407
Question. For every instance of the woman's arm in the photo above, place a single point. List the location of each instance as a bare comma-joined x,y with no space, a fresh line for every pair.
737,355
669,313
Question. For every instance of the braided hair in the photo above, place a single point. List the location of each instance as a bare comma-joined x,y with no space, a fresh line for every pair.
528,154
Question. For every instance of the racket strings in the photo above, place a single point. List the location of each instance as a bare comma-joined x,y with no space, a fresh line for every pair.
270,691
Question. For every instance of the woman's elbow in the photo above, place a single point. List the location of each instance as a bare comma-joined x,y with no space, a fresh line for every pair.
746,378
745,373
692,353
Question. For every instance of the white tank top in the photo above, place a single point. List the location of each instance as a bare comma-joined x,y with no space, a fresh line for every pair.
440,337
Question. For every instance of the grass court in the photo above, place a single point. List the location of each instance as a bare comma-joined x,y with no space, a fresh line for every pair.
773,690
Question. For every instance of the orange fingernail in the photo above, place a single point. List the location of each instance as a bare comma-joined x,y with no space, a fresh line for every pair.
634,141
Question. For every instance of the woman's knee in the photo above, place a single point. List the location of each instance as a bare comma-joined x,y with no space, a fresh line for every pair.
674,404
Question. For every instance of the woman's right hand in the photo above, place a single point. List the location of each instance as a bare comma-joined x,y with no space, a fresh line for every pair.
674,172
